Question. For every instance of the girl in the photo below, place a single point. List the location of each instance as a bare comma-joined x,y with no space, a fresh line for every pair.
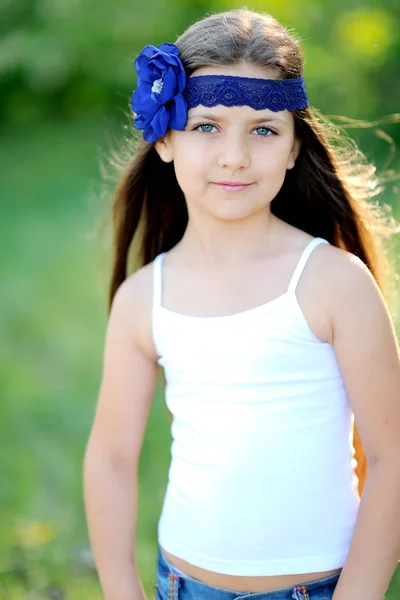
260,296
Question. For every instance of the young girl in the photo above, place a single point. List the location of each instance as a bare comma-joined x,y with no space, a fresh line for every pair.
260,296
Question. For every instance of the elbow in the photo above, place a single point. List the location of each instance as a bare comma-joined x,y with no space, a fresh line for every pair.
98,456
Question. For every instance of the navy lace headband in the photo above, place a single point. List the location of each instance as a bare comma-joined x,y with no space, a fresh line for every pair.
164,94
274,94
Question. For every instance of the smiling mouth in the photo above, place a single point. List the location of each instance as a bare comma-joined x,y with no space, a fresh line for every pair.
232,186
231,183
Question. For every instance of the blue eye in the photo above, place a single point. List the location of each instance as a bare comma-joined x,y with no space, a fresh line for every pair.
207,128
265,129
200,127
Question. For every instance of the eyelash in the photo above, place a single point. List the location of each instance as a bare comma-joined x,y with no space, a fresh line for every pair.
197,128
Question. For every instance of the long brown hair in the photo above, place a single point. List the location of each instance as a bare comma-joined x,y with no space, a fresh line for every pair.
329,193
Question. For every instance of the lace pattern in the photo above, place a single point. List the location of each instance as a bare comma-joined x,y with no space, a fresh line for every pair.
276,95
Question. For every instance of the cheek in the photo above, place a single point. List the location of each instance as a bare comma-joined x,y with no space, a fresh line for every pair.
273,160
191,160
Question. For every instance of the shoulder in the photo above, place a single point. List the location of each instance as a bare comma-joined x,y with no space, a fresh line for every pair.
345,275
339,267
349,289
132,307
135,291
331,272
331,275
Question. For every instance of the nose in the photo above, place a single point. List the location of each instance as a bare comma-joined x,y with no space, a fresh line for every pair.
233,153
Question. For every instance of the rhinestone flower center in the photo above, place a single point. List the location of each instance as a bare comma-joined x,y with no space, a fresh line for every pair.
157,86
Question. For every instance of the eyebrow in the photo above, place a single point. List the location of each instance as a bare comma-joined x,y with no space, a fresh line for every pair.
265,119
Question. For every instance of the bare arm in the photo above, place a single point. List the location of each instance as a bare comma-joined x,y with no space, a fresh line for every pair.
368,356
110,470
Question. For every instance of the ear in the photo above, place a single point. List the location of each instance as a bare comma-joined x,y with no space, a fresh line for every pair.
163,147
294,153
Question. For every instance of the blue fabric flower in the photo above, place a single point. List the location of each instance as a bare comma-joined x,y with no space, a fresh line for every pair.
158,101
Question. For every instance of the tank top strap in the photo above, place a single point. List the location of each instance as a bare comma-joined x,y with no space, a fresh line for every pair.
303,260
157,280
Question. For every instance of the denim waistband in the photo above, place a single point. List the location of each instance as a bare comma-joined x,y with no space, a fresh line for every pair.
173,584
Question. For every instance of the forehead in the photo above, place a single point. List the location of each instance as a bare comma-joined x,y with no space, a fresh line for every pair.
240,113
244,112
239,69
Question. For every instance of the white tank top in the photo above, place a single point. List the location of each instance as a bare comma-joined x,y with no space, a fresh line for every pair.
261,480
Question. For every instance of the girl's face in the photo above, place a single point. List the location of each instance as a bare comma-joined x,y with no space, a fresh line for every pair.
231,144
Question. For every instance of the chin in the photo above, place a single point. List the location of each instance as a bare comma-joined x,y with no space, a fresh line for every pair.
238,213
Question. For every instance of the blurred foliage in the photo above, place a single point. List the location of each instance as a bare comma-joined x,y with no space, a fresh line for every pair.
70,57
66,77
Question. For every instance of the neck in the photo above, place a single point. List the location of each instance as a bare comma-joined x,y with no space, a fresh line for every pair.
215,242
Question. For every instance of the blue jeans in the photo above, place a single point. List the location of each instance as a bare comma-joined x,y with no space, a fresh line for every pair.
172,584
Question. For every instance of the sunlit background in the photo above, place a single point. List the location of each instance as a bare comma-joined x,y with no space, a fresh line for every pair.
66,78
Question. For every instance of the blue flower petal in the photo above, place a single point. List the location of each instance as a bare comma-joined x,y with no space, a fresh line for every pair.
157,65
149,50
144,76
143,91
141,98
141,62
140,123
161,121
169,88
181,79
163,118
165,60
149,135
178,113
156,99
169,48
155,112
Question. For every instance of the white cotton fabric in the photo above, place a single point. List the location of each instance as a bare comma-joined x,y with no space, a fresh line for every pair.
261,479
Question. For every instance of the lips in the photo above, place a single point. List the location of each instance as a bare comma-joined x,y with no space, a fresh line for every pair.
232,183
232,186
